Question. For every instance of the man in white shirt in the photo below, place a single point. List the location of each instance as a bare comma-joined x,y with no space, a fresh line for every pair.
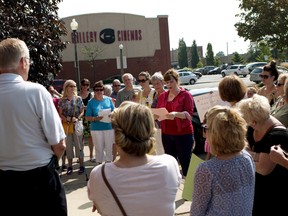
32,139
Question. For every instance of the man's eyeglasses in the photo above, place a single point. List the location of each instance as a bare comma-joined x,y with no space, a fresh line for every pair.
205,127
142,81
264,76
98,90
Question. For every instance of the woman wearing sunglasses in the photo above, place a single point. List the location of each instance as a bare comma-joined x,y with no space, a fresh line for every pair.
269,75
147,93
97,112
280,109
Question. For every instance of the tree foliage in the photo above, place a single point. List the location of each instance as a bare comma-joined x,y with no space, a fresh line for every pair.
194,55
182,54
36,22
237,58
209,55
264,21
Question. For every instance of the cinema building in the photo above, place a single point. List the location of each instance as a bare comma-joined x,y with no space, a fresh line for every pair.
99,37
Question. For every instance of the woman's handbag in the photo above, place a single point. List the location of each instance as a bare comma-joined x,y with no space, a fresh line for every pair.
78,126
112,191
68,127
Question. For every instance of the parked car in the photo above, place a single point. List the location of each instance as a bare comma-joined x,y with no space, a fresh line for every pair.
58,85
198,74
236,69
249,67
216,70
207,68
187,77
254,75
200,70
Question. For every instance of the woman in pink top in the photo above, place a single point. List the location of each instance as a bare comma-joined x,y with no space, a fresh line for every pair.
177,128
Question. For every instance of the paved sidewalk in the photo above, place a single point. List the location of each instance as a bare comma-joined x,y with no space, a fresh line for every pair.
77,199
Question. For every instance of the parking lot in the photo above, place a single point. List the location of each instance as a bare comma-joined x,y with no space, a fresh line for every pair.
210,81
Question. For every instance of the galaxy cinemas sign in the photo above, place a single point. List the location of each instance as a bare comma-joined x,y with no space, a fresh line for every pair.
107,36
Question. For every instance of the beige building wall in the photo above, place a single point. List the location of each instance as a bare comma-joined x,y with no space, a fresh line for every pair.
90,26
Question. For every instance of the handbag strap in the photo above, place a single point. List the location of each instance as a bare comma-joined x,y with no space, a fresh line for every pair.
112,191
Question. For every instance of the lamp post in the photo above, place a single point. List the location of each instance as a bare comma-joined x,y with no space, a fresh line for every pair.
74,27
121,58
227,52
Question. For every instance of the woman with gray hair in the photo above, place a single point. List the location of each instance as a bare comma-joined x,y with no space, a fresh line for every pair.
265,131
145,184
158,83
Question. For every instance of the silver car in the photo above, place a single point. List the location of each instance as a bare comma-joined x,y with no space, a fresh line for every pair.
234,69
187,77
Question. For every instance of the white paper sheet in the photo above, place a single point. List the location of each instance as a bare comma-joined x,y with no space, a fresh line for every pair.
106,115
161,112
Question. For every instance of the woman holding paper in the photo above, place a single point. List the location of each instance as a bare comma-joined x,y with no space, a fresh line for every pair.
177,128
98,113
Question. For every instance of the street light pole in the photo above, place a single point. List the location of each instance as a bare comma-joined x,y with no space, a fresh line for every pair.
74,27
121,58
227,52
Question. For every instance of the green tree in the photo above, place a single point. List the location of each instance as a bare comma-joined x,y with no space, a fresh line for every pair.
264,21
237,58
36,23
220,54
264,53
217,61
182,54
200,64
194,55
209,55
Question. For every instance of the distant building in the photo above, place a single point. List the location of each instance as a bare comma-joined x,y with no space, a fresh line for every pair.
146,45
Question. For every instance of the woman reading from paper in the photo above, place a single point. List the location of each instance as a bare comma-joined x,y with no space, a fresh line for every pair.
177,128
98,113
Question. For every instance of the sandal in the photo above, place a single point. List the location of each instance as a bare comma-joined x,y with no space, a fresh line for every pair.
81,170
69,171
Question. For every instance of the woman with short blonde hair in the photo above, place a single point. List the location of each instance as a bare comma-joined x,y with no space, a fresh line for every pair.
224,185
226,126
145,184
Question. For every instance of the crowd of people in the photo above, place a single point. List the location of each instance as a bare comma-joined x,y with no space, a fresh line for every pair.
141,154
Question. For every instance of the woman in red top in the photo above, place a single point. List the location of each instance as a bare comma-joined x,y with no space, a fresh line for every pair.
177,128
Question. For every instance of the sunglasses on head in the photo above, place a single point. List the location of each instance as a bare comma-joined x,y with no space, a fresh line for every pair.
142,81
98,90
264,76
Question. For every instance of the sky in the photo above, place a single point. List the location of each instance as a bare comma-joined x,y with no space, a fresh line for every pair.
205,21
